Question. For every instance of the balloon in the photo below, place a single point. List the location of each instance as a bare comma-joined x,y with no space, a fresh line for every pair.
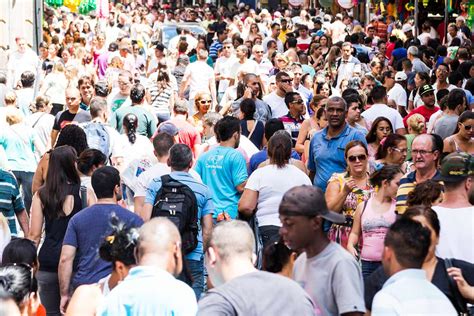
346,4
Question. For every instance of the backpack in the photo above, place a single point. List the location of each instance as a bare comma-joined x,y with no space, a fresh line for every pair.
98,137
177,202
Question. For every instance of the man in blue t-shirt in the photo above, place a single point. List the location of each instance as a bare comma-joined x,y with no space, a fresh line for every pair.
181,160
87,230
224,170
327,147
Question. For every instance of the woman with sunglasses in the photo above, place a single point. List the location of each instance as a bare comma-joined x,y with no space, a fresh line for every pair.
373,218
461,272
348,189
393,151
280,63
254,32
463,139
202,104
381,128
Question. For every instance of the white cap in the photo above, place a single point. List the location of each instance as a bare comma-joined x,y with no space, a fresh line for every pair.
339,16
400,76
407,28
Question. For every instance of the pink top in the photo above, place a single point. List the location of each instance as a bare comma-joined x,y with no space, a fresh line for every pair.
374,228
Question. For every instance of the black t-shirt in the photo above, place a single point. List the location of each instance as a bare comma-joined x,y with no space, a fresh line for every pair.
64,118
376,280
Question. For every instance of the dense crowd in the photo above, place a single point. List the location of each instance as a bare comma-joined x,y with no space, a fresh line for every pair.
215,161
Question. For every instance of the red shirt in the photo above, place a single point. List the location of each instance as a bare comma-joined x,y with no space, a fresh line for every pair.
423,110
187,133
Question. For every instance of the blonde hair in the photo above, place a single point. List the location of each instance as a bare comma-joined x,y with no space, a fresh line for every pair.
13,115
417,123
10,98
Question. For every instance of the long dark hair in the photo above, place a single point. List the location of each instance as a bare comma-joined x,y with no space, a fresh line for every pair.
130,123
371,135
279,148
62,172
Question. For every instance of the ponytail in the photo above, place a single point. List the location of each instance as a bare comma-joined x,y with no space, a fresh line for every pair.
130,123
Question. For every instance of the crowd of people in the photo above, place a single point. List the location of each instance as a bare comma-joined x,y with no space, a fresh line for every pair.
292,162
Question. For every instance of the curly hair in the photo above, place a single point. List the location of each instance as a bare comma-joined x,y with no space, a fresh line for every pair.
425,193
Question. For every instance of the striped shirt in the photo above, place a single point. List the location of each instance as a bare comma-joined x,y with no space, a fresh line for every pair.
160,100
214,50
407,184
11,202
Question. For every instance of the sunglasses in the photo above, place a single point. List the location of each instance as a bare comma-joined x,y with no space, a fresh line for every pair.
355,158
299,101
286,81
467,127
259,52
205,101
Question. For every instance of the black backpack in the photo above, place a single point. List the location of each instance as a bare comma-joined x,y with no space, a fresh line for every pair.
178,203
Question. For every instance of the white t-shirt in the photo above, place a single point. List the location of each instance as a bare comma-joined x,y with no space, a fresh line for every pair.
54,86
43,125
456,239
398,94
378,110
141,149
199,73
18,63
223,67
277,104
271,183
249,66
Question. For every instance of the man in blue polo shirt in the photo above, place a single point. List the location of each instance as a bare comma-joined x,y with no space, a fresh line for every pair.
181,160
326,154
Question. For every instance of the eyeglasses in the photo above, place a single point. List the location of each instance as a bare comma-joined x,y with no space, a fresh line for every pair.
415,152
259,52
286,80
227,47
205,101
467,127
355,158
298,101
401,151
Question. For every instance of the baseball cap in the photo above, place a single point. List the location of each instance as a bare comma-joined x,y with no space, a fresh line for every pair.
425,89
307,200
407,28
168,128
456,166
400,76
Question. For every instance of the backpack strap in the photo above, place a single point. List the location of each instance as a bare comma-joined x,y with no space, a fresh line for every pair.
459,301
83,193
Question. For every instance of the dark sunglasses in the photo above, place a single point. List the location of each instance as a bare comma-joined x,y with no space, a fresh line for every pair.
467,127
355,158
286,81
205,101
299,101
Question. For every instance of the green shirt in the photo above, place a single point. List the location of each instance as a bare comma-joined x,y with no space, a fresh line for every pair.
147,122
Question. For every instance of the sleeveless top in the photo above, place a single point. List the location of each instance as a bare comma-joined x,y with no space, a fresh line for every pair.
374,228
257,135
55,229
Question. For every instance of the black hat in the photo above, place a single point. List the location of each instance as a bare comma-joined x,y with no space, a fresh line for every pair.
425,89
307,200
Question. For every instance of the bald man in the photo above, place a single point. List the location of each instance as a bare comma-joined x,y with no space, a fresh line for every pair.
72,115
229,261
151,287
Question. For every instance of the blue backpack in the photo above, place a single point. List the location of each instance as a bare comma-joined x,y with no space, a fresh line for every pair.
98,137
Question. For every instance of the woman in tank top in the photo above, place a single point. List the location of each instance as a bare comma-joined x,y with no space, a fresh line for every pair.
55,203
373,218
